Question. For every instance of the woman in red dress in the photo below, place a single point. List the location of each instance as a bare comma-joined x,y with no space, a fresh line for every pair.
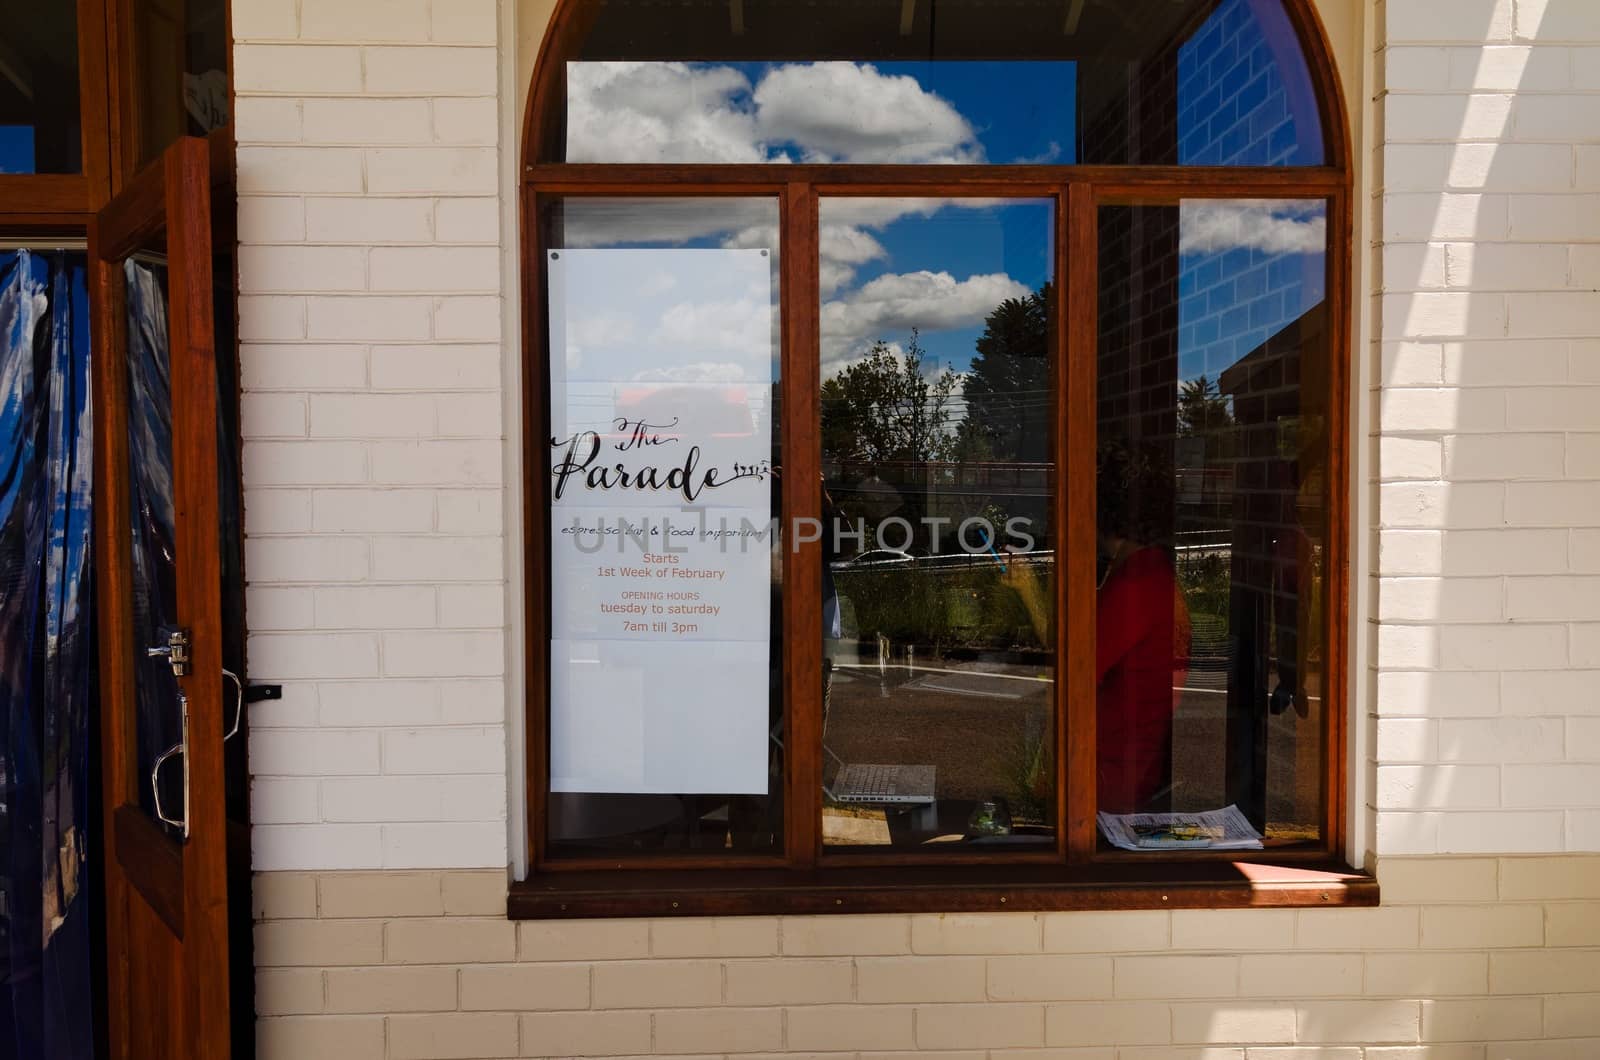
1141,635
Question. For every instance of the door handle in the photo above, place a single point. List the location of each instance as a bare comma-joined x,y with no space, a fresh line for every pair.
175,651
238,704
179,749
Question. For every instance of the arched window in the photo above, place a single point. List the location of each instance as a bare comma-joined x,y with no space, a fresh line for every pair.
937,415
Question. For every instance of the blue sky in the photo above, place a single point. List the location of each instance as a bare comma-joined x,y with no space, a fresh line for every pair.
1020,111
16,149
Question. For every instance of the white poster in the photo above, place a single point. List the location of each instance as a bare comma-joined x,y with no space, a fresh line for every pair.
661,485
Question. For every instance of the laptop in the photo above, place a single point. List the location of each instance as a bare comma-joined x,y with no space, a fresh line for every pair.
884,784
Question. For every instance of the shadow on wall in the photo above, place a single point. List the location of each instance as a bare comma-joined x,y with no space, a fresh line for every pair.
1477,309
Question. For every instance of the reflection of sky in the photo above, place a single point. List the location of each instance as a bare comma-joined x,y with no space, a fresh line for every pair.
1012,240
664,315
1022,112
16,149
1235,297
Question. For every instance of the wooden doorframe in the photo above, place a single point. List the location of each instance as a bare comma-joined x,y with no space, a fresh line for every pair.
147,871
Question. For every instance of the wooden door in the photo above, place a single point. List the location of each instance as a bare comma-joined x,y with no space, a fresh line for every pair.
165,704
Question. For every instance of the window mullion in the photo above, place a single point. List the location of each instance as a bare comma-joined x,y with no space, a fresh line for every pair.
800,410
1076,438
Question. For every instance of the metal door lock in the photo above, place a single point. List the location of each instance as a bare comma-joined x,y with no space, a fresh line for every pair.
175,651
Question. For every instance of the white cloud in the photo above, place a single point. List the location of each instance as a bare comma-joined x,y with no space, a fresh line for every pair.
897,302
852,112
1283,227
699,372
742,328
659,112
830,112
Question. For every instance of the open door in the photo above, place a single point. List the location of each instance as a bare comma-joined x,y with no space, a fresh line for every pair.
166,703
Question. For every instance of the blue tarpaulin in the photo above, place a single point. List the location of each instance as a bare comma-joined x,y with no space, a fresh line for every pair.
46,658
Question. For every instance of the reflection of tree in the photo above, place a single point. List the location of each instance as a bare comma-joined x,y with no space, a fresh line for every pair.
886,408
1204,412
1008,390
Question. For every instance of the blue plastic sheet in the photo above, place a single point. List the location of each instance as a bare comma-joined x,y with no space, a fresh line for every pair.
46,658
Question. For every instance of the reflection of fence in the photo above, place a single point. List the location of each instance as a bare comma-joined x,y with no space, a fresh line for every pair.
955,477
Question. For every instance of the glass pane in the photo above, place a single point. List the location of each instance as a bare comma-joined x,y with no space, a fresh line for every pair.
158,723
40,125
1002,81
938,599
1212,493
181,77
666,705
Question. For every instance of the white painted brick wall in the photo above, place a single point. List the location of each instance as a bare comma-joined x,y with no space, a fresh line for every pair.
1488,685
371,288
371,309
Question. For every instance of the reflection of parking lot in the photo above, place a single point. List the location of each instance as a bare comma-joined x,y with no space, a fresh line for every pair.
970,721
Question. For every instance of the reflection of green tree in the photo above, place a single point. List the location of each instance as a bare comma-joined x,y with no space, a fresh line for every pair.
886,408
1008,390
1204,412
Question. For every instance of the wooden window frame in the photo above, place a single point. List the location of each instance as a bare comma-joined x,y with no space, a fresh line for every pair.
1076,874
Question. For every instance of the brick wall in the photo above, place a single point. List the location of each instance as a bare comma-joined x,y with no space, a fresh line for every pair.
1488,605
370,316
1469,959
371,305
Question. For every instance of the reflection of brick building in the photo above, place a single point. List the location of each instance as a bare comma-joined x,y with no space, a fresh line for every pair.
1279,393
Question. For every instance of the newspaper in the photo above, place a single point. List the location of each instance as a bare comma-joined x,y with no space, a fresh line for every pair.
1225,829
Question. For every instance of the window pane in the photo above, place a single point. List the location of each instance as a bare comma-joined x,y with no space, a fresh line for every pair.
666,707
40,130
181,77
1212,494
1187,82
938,599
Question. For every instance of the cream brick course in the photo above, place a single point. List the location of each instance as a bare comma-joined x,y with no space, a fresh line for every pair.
1426,974
444,941
1142,1023
321,1037
481,893
585,1033
369,221
827,1028
1348,929
1091,932
288,991
697,1031
1176,977
384,990
882,980
1485,927
657,984
582,940
379,894
1308,975
714,937
318,943
1372,1022
1481,1019
1049,978
1233,1022
525,987
979,1026
1554,971
846,936
789,981
1232,930
1572,1016
453,1036
977,933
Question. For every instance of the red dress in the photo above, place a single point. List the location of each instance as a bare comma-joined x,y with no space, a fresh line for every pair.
1142,650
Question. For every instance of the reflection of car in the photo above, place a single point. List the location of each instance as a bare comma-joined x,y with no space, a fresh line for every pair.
877,557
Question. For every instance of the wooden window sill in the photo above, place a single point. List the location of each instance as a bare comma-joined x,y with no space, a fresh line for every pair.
940,889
